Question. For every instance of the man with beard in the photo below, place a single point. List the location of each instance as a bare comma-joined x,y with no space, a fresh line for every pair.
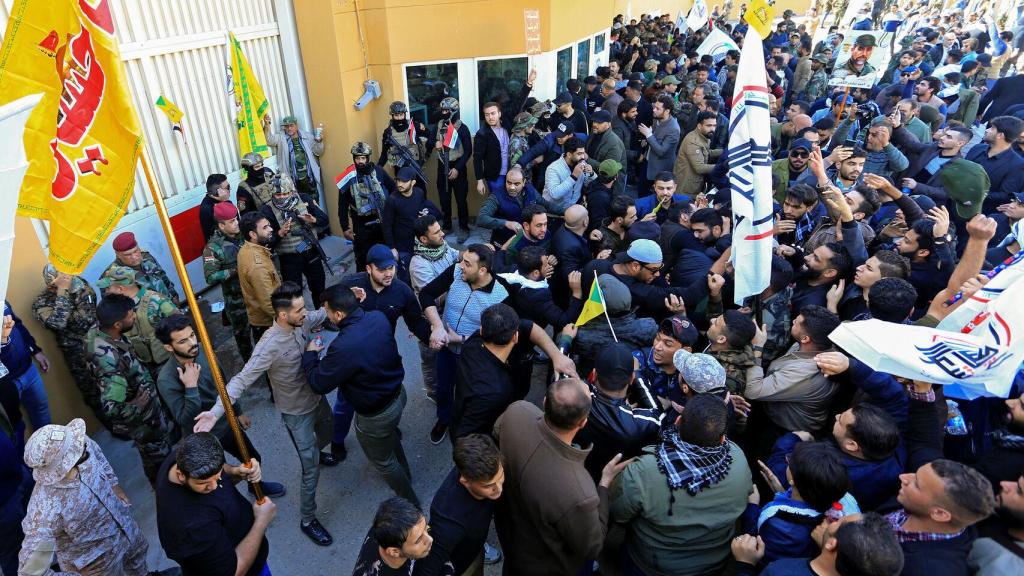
1004,167
533,232
431,255
298,153
927,161
787,170
926,91
999,549
621,215
256,272
655,206
604,144
217,190
822,268
294,218
255,190
187,388
662,140
565,112
847,166
454,143
220,265
565,178
858,64
400,211
707,227
401,132
817,85
363,189
696,159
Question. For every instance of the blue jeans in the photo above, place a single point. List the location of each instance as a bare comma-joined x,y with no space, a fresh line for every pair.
32,394
11,514
343,415
266,570
444,394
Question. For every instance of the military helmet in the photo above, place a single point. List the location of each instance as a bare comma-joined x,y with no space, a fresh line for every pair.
361,149
450,104
251,159
398,107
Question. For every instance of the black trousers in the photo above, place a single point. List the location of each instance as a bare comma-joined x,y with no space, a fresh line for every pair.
363,238
308,264
460,188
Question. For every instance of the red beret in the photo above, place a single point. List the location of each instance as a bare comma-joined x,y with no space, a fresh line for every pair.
223,211
124,241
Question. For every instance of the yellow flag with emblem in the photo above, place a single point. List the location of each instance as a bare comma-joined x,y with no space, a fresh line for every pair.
594,306
83,140
759,15
250,102
170,109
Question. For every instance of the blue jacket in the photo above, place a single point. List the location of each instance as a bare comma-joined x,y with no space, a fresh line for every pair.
646,204
785,525
17,354
362,362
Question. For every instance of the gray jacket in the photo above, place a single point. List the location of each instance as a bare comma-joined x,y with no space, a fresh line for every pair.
661,147
595,335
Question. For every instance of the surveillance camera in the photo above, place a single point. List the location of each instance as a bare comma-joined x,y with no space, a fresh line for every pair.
371,91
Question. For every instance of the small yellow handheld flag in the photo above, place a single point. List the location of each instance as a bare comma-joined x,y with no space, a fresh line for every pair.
594,306
169,108
759,15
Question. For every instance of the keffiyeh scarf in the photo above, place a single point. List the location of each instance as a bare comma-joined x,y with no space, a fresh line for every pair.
689,466
430,253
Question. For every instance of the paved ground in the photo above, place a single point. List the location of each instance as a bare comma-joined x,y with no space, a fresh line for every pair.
348,494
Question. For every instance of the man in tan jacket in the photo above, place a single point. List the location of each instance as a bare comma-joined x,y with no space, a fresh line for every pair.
696,158
256,272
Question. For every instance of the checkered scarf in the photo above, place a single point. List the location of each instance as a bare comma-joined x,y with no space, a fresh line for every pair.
689,466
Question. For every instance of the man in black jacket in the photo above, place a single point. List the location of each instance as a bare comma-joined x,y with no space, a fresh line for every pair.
295,218
453,143
217,190
570,248
400,211
488,162
363,363
531,295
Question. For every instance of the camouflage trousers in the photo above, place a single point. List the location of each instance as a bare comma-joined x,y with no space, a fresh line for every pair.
76,357
153,439
238,319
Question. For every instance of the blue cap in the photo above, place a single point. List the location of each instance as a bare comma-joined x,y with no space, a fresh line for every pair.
645,251
406,174
801,143
380,256
909,69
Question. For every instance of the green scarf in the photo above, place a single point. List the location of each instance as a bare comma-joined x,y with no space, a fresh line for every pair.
432,254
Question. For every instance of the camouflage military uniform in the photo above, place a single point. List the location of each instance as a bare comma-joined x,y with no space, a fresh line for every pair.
70,316
220,264
817,86
129,398
776,315
151,275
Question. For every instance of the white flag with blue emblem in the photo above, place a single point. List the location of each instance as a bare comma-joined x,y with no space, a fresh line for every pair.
750,173
698,16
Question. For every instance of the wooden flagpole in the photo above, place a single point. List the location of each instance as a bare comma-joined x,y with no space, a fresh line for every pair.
204,336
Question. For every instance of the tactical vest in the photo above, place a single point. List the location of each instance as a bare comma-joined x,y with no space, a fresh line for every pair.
454,153
142,336
368,195
261,193
404,139
290,243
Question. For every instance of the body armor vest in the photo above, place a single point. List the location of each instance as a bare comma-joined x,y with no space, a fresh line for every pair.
405,139
454,153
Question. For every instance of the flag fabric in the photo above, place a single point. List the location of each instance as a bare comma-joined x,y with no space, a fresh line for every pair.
348,175
698,16
971,316
13,164
980,362
250,102
170,109
717,44
750,173
594,306
680,20
759,15
84,138
451,137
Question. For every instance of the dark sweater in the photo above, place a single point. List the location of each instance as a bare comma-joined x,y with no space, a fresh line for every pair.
459,524
362,362
399,214
395,301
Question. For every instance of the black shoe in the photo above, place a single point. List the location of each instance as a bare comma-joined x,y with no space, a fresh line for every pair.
271,489
339,451
438,432
330,460
317,533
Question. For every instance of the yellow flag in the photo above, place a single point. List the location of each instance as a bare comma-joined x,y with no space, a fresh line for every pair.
170,109
759,15
84,138
250,103
594,306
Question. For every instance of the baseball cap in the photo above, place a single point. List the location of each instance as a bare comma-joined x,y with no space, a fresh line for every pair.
121,275
406,174
601,116
865,40
820,58
701,372
617,299
967,184
563,98
224,211
124,241
614,366
645,251
801,143
609,168
563,129
289,120
380,256
680,328
670,79
909,69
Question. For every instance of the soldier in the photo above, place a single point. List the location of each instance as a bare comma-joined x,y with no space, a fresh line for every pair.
148,272
363,189
404,133
127,394
817,86
68,307
298,153
256,189
150,307
294,218
453,153
220,264
858,64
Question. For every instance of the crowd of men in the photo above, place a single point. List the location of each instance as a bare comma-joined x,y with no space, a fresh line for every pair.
676,435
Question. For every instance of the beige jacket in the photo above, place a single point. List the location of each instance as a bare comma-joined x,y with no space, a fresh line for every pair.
694,162
795,395
259,278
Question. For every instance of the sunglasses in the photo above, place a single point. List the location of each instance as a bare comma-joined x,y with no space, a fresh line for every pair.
799,154
655,269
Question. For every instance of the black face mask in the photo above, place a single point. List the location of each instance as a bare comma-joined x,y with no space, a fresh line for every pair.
400,125
446,115
364,169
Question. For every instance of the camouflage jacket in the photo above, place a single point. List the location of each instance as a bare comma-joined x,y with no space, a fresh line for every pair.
816,86
735,363
127,395
151,275
69,315
150,308
220,264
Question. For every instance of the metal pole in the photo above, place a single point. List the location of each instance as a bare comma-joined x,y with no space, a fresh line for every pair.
204,336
